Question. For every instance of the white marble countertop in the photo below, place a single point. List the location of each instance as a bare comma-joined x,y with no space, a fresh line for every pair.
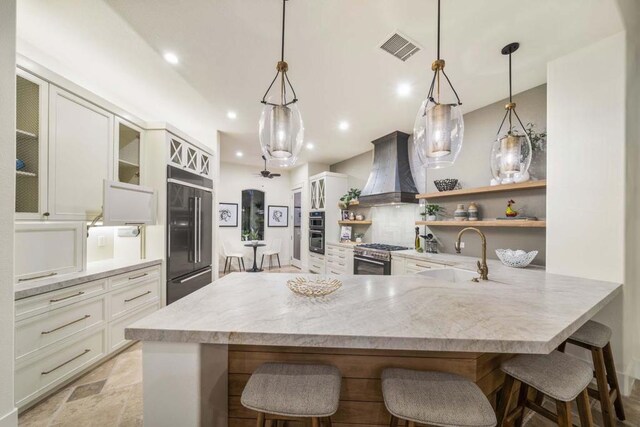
517,311
349,245
94,271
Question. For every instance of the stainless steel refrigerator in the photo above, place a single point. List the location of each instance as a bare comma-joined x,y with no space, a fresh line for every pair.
189,232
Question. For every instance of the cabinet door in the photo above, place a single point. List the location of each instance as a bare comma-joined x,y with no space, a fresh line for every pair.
31,145
205,165
176,153
129,151
191,159
314,195
321,193
80,155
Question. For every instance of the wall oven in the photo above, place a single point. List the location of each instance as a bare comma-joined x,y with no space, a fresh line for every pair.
316,232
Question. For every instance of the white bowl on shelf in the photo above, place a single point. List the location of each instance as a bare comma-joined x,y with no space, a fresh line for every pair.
517,258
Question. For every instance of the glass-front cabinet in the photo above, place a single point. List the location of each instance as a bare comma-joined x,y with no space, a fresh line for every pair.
31,146
129,146
318,194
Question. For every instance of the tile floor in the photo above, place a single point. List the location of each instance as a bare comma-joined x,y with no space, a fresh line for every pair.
111,395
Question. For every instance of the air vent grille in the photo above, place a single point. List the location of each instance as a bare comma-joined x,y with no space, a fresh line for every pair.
400,46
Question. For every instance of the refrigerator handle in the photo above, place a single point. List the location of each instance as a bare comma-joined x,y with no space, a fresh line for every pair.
195,229
200,229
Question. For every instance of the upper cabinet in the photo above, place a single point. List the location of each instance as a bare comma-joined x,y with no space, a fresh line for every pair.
31,146
318,194
81,155
129,144
185,155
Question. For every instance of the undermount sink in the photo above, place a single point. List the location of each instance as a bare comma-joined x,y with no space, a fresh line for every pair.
454,275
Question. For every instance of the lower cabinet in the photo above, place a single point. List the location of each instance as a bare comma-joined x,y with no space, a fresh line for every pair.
60,334
339,260
401,265
316,263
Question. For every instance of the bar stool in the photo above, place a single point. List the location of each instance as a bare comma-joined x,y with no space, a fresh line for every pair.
293,391
596,337
557,376
435,399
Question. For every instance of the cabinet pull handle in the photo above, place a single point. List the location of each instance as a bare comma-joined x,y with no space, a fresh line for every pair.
86,316
138,276
423,266
38,277
65,363
139,296
67,297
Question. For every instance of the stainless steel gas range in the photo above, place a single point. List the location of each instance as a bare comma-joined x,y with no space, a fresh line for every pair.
374,258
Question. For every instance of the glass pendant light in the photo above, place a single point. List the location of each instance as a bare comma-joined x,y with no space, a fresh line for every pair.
439,126
511,152
281,130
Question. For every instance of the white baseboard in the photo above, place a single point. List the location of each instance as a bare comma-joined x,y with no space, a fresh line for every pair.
10,419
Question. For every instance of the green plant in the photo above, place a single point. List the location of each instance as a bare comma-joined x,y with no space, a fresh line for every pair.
432,209
538,139
352,194
359,235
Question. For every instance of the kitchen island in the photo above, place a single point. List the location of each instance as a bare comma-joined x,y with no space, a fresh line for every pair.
199,351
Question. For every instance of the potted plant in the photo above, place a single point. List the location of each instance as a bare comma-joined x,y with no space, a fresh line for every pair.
351,195
354,194
359,237
538,168
432,211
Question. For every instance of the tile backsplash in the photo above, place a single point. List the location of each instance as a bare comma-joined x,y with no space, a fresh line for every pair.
394,224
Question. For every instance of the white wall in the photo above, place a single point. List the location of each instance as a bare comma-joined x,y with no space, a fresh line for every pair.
104,243
89,44
588,190
8,413
277,191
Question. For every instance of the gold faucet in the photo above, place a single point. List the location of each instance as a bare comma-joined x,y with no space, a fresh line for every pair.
483,268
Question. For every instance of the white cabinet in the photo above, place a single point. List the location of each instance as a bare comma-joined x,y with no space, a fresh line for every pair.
129,140
47,249
318,194
402,265
62,333
316,263
32,105
80,155
187,156
339,260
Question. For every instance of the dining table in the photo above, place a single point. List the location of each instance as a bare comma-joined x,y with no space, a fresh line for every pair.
255,247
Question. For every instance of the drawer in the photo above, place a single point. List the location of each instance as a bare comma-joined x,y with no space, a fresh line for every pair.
316,268
126,299
39,304
37,332
39,375
336,263
135,276
417,266
117,327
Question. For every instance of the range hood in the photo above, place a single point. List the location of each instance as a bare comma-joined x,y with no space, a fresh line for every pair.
390,181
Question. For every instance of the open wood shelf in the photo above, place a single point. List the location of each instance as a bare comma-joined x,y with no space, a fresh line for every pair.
126,163
25,134
352,203
529,185
349,222
519,223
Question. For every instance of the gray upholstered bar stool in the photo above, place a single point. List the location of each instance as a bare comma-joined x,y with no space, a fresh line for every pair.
293,391
558,376
596,337
434,399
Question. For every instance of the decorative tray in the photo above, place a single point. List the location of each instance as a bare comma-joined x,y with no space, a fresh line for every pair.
313,287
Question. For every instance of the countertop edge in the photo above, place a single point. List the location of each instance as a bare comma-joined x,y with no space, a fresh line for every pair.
75,279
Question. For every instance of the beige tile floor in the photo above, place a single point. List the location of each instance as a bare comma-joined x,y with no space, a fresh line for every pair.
111,395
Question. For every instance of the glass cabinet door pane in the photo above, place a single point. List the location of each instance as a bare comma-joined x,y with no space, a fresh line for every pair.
27,146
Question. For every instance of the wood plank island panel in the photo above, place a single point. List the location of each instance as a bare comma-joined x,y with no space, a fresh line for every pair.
529,185
361,402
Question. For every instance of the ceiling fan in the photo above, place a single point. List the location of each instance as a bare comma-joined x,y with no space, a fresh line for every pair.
265,173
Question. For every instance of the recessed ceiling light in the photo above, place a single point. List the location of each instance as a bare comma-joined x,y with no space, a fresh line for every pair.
232,115
343,125
403,89
309,145
171,58
239,154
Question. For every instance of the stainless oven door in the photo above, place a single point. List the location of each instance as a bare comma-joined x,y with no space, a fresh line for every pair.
371,266
316,241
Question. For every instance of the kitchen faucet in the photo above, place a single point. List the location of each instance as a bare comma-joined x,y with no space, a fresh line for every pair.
483,268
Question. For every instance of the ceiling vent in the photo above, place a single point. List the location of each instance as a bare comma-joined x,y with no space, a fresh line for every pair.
400,46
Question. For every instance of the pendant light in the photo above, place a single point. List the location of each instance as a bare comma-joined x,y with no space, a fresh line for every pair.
439,126
281,130
511,152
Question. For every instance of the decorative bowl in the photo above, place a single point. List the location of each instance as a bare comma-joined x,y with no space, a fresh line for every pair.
446,184
516,259
313,287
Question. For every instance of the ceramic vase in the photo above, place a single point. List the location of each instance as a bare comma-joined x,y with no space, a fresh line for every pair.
432,218
473,212
460,214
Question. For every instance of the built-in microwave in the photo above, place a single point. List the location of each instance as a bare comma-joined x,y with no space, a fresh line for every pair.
316,220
